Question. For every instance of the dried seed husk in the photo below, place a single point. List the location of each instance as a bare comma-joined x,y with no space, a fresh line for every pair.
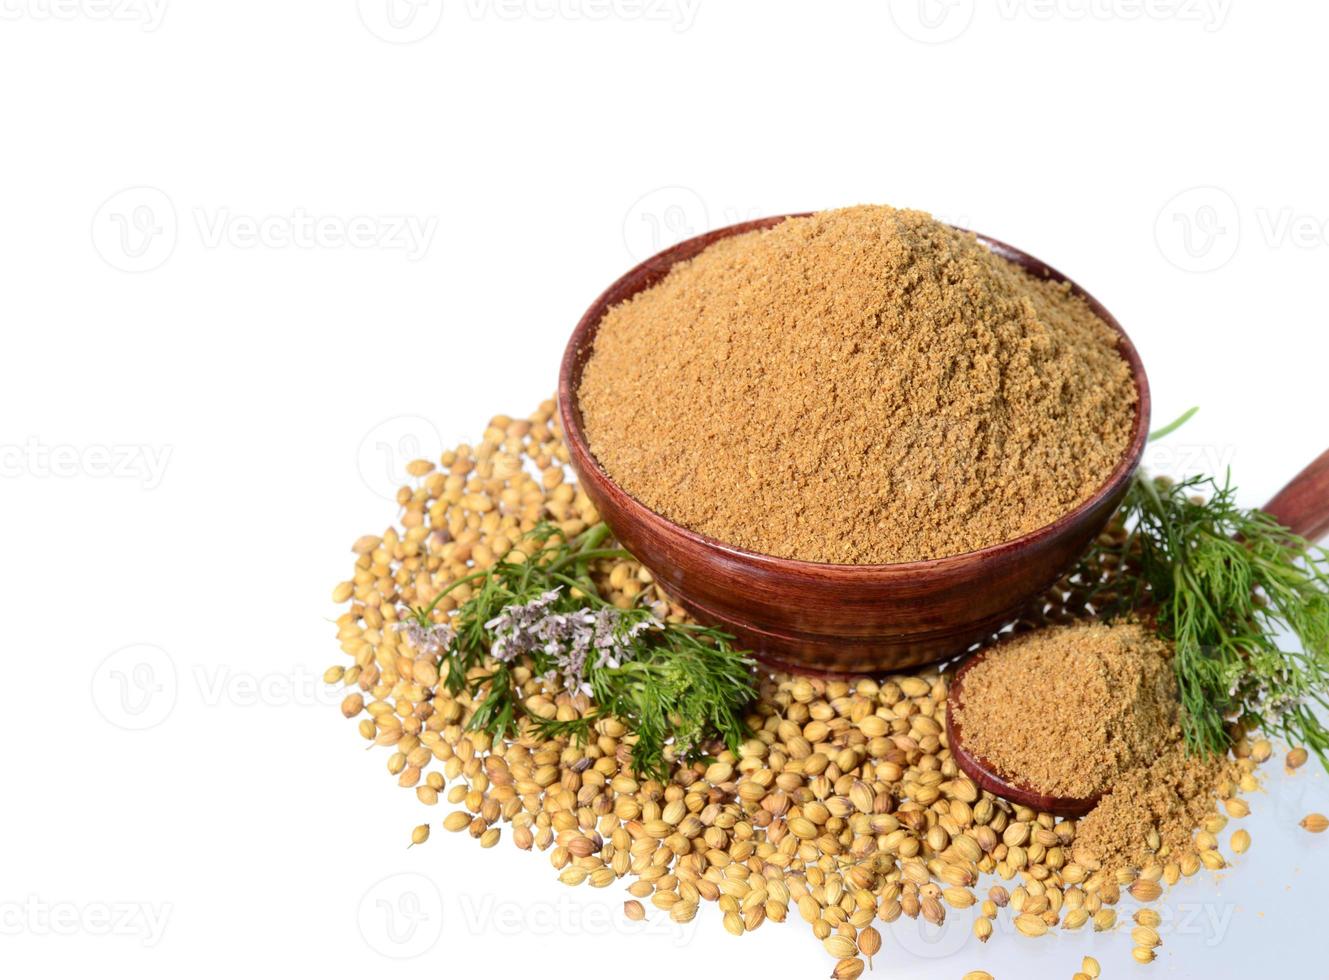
1315,823
683,912
1075,919
1148,917
847,969
958,898
869,943
1030,924
840,947
1145,936
1144,890
933,910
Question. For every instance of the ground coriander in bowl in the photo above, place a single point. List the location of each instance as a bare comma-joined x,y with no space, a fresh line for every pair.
1069,710
862,386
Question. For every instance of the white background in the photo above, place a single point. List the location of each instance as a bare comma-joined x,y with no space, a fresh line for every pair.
197,423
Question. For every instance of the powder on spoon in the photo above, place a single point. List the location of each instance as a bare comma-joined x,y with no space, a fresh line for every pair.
860,386
1070,710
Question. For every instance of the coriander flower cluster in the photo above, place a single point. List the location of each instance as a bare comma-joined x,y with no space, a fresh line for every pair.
569,639
434,639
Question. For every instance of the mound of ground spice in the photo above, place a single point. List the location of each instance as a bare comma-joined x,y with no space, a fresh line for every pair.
1069,710
1154,807
861,386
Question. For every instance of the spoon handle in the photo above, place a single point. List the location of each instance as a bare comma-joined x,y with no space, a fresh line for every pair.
1303,505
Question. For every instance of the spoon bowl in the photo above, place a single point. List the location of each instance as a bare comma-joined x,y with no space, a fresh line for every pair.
1302,506
832,619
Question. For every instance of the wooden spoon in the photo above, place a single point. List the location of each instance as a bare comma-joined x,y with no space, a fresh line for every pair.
1302,505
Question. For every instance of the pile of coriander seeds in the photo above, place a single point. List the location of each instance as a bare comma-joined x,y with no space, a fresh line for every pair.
844,807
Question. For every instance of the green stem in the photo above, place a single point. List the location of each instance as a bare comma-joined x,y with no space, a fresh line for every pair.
579,557
1173,426
424,613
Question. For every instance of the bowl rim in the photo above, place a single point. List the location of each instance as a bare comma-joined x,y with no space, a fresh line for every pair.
583,335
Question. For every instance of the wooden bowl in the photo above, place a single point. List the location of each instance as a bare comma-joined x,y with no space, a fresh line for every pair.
839,619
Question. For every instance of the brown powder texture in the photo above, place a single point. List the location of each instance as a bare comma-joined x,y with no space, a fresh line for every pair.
1069,710
861,386
1172,794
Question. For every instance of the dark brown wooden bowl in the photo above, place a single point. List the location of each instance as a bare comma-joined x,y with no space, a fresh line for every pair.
839,619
